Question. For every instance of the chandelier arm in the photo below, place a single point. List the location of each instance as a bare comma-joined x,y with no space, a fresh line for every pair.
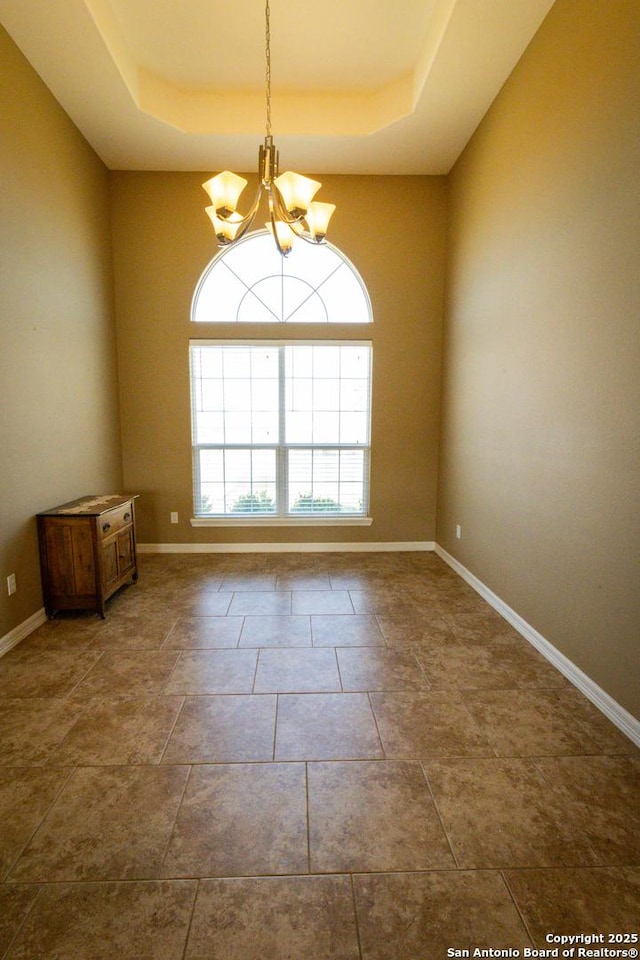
296,223
246,221
309,239
291,219
273,218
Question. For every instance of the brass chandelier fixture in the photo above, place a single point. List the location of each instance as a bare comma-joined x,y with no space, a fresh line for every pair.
292,210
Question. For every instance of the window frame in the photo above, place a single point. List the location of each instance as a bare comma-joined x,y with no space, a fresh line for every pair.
282,448
277,270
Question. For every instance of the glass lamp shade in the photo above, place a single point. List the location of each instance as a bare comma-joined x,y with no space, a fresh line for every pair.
317,217
283,233
225,228
296,191
225,189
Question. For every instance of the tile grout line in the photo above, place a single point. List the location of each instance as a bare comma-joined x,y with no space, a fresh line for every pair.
175,819
437,809
21,925
355,913
171,731
12,866
308,815
191,916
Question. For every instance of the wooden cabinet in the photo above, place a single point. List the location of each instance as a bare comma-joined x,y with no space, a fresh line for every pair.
87,552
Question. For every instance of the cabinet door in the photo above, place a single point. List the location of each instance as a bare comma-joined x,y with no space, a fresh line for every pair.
117,557
125,550
110,568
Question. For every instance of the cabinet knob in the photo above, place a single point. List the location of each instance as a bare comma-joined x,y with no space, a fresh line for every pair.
127,516
105,527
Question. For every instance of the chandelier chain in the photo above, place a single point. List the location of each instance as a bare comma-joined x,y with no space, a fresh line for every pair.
292,210
267,12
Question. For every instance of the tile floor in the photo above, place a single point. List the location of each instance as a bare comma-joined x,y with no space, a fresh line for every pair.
334,756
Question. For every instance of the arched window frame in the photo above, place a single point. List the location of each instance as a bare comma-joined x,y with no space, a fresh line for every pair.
251,282
271,289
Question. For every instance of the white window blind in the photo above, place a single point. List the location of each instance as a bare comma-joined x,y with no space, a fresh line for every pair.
281,429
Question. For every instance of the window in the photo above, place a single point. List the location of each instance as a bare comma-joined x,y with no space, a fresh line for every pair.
280,429
250,282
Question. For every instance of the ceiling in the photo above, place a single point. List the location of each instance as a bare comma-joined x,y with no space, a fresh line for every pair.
358,86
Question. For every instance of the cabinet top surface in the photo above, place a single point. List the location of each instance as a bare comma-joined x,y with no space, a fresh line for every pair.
92,505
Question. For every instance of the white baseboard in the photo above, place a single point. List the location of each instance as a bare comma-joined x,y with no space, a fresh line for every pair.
622,719
395,546
21,631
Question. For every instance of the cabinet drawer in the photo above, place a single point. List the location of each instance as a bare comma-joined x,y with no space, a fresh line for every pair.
109,523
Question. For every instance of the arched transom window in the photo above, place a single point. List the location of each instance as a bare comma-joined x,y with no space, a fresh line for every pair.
250,282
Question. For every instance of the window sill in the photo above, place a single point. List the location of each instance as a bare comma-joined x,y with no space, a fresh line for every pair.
281,521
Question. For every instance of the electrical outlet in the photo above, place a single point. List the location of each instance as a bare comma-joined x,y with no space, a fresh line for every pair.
12,586
458,532
174,516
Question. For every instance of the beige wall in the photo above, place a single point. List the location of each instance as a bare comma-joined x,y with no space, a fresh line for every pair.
540,439
163,242
59,434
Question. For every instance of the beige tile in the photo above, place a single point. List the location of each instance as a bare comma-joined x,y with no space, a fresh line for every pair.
274,631
261,604
92,921
297,671
557,811
473,618
243,583
274,918
193,583
241,820
108,823
301,581
358,580
411,626
382,599
501,813
326,726
343,630
435,723
371,668
201,604
188,594
223,729
601,796
68,631
128,672
321,601
406,916
48,673
25,797
204,633
569,901
132,632
16,901
488,665
30,729
119,730
213,671
373,816
520,723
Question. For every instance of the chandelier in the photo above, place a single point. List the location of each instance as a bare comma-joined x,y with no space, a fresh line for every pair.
292,210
